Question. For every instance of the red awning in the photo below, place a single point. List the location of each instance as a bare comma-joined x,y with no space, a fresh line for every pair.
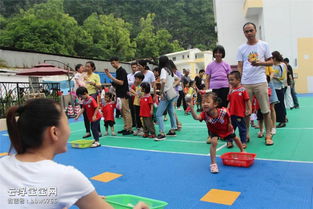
44,69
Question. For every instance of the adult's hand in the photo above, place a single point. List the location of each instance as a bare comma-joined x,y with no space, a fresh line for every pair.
141,205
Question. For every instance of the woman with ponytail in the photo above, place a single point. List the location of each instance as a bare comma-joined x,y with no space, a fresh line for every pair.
38,131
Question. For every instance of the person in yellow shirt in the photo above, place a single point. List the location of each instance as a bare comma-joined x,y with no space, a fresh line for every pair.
92,81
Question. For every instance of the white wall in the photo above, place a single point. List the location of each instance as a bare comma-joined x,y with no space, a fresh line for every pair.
230,19
282,23
285,22
21,59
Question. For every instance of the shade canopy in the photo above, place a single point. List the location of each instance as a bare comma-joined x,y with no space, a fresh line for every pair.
44,69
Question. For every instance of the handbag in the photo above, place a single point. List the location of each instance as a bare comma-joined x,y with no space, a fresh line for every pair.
170,94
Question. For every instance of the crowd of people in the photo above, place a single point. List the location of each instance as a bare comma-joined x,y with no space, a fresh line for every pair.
227,99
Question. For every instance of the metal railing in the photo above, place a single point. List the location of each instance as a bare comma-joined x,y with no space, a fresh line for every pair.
15,93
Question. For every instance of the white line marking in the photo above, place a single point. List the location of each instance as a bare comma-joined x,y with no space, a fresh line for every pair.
221,147
206,155
182,153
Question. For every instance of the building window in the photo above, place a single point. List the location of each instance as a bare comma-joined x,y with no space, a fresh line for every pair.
196,56
174,58
188,56
183,56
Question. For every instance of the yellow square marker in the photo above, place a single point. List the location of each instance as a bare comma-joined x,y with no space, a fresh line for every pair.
106,176
3,154
220,196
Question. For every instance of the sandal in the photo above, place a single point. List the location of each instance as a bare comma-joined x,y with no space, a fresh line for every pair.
229,145
268,141
209,140
260,134
244,146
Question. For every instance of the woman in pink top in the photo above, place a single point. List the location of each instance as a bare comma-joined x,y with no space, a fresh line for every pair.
217,72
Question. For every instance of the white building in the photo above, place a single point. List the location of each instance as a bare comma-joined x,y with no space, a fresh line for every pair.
287,25
192,59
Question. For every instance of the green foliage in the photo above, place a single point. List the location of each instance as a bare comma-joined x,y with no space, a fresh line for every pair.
152,43
111,37
44,28
103,28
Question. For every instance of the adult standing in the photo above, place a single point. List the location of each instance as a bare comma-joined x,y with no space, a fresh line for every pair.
168,96
252,58
149,75
200,85
280,83
217,72
120,84
185,79
291,83
92,84
131,80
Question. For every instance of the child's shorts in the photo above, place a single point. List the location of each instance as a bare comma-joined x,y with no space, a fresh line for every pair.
109,123
227,138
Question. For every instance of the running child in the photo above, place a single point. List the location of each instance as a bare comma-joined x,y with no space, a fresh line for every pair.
239,106
218,123
108,113
146,111
91,107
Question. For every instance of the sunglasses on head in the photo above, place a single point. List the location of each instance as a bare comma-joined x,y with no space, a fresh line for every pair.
247,31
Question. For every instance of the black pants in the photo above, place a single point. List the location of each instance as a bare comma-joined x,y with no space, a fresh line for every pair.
280,107
95,129
222,94
137,117
181,99
241,124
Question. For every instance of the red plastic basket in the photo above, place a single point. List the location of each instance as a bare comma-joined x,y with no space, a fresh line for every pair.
239,159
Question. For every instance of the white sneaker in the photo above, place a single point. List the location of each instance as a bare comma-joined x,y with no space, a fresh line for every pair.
95,144
136,132
106,134
178,108
273,132
113,134
214,168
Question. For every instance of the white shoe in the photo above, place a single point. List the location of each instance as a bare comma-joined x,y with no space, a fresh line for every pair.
273,132
178,108
113,134
106,134
95,144
136,132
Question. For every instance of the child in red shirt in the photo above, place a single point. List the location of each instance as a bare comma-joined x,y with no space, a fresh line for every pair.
146,111
108,113
92,110
218,123
239,107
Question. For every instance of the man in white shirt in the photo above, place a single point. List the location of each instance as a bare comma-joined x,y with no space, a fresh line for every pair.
252,58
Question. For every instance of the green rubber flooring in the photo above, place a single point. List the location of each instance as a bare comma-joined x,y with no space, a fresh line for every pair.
292,143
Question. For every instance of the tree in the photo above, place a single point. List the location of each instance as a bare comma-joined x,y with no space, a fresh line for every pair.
152,43
44,28
111,37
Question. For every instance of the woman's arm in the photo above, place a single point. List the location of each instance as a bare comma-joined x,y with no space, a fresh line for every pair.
92,200
207,82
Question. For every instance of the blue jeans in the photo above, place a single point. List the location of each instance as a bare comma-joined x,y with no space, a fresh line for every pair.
166,105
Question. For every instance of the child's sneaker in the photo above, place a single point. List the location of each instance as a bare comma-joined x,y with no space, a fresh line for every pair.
171,133
214,168
136,132
140,132
95,144
106,134
160,137
113,134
